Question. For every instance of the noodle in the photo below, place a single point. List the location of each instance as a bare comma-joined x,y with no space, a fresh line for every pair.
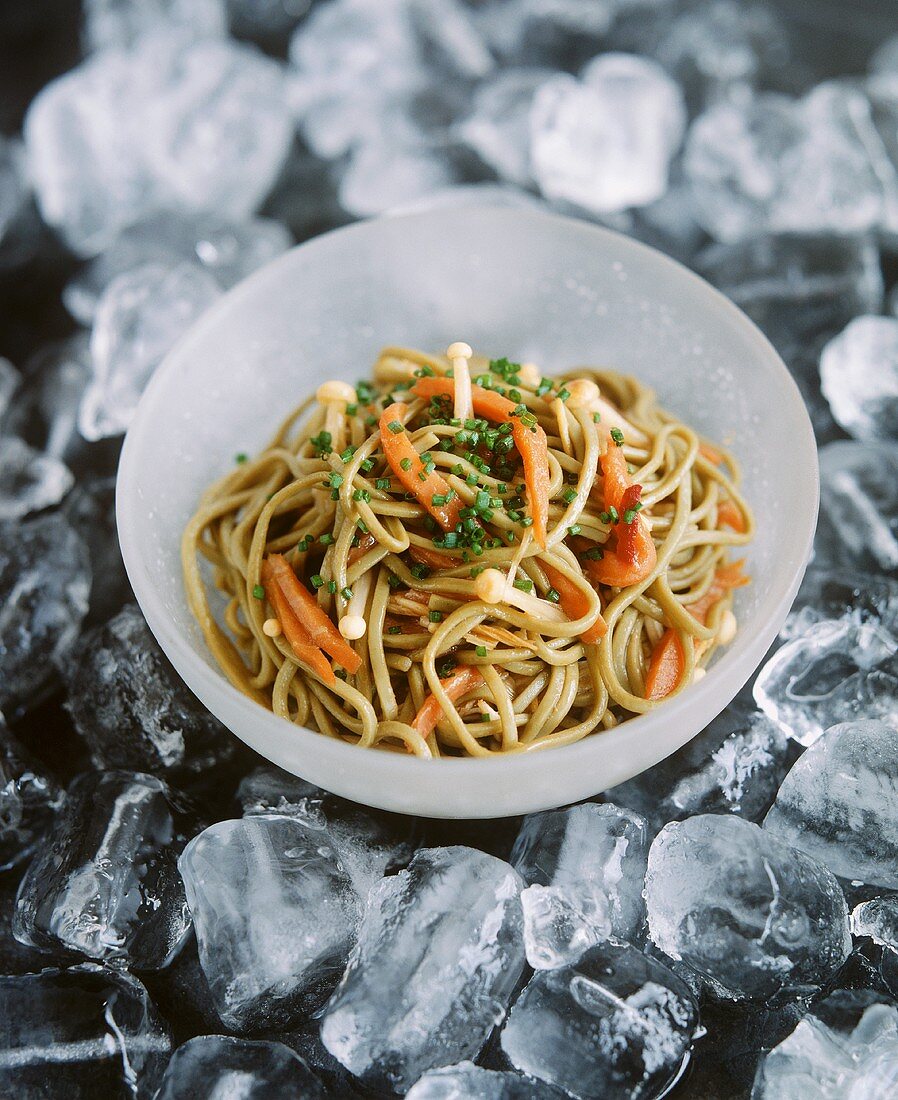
445,668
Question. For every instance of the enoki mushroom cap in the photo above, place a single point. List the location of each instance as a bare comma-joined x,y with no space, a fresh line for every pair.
459,350
584,393
334,390
353,627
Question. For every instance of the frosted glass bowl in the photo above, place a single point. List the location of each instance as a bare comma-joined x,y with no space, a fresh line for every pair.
521,283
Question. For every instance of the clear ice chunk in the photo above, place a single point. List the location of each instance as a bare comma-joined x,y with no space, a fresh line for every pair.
30,799
90,508
81,1032
593,857
498,126
605,142
106,885
839,803
44,587
838,670
615,1024
243,1069
774,164
275,914
381,175
878,919
172,122
439,954
466,1081
858,525
9,383
109,23
270,790
228,250
747,912
119,681
735,765
859,377
829,1064
843,593
29,481
138,318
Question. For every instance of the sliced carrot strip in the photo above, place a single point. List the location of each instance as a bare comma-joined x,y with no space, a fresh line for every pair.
398,449
730,515
532,444
574,603
305,607
295,633
668,663
617,573
617,476
666,667
463,680
628,533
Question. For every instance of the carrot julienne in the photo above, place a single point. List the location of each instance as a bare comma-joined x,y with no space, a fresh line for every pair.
462,680
406,464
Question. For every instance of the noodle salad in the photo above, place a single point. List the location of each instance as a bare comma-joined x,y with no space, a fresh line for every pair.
462,557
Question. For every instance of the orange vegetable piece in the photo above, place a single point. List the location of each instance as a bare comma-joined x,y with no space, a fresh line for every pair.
295,633
729,515
397,448
305,607
574,603
464,679
532,445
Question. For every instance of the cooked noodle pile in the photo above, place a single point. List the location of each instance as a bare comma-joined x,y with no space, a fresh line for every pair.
463,558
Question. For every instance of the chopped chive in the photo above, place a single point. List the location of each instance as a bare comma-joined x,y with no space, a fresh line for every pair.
527,521
564,393
258,592
340,673
406,463
362,526
346,593
367,465
476,570
524,584
595,553
395,427
332,587
347,454
545,384
317,580
419,571
335,494
569,496
241,458
393,630
596,418
435,616
553,595
618,436
382,483
326,539
480,651
438,499
471,479
574,529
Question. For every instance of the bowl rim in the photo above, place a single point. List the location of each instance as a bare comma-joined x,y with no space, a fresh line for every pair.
209,683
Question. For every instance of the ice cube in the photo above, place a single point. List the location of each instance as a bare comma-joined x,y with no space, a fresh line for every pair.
747,912
82,1032
878,919
132,708
547,31
13,188
275,914
557,928
268,22
270,790
29,481
106,884
90,508
771,163
735,765
605,142
859,376
498,127
838,670
829,1064
370,844
228,250
381,175
219,1065
44,586
121,22
842,593
438,957
29,801
9,383
466,1081
139,317
594,856
615,1024
858,525
170,122
838,803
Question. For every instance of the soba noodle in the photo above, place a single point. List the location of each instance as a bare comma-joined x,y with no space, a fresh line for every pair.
422,605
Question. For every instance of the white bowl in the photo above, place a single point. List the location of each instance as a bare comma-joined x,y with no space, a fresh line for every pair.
520,283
